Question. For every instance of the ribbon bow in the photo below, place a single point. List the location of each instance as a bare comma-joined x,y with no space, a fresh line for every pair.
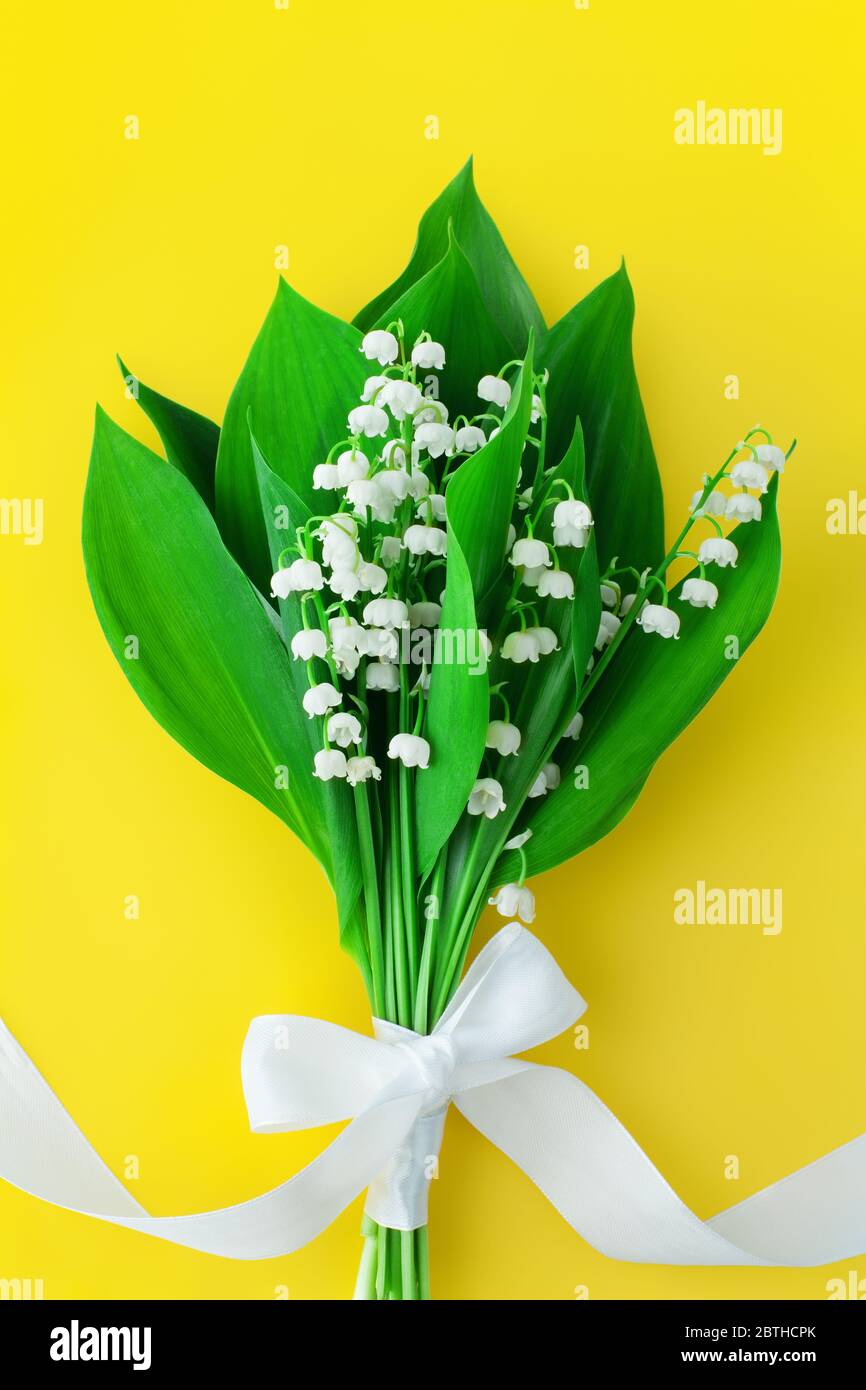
395,1089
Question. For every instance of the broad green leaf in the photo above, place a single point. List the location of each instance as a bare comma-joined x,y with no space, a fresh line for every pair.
190,440
651,692
302,377
330,802
542,696
457,713
506,293
448,303
589,356
186,626
480,495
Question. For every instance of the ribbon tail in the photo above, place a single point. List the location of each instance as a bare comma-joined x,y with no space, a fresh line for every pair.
596,1175
44,1153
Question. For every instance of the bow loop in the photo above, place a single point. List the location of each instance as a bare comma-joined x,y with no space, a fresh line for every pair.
514,997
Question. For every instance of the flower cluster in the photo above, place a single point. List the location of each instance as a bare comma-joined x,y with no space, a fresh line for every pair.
713,506
369,571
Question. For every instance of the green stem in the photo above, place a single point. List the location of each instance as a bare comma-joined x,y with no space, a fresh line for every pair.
422,1260
407,1252
371,895
432,917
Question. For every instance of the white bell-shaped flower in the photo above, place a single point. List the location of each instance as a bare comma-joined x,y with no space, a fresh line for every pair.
390,551
572,512
345,583
328,763
386,612
575,536
309,642
573,729
772,457
369,420
743,507
532,575
395,482
368,494
326,476
372,578
545,639
381,643
654,617
518,841
435,438
514,900
347,661
551,776
344,729
555,584
503,737
394,453
341,526
469,438
535,410
700,593
627,604
320,698
302,576
371,386
419,484
494,389
435,412
428,356
434,502
520,647
352,465
532,553
380,346
346,634
425,540
718,551
486,799
339,550
714,505
411,749
382,676
401,397
362,769
609,595
538,788
608,627
425,614
748,473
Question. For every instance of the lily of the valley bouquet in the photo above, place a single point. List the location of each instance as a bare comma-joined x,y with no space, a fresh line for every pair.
414,597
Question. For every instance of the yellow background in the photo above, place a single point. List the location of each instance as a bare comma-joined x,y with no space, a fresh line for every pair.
306,127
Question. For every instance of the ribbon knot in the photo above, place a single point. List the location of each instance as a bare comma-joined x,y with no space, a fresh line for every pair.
434,1059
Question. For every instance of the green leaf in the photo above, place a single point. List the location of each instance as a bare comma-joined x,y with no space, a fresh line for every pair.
507,295
480,495
190,440
457,713
543,695
302,377
448,303
650,693
589,356
330,802
208,664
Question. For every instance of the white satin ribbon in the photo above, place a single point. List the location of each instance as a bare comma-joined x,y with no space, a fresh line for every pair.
395,1089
